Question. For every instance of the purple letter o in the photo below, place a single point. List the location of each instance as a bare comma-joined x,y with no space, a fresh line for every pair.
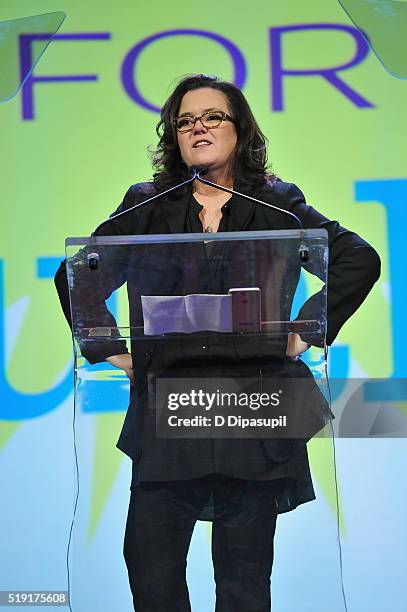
131,57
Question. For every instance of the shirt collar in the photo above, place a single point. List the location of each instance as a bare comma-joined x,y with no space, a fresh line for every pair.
241,211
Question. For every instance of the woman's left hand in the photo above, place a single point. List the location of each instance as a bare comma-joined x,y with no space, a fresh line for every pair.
296,346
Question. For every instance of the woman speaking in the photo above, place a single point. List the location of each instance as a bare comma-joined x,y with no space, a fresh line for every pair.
237,485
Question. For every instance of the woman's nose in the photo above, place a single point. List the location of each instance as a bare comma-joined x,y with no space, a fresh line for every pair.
199,127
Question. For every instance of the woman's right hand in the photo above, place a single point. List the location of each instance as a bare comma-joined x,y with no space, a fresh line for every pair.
296,346
123,362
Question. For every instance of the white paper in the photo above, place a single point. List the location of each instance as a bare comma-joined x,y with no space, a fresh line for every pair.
186,313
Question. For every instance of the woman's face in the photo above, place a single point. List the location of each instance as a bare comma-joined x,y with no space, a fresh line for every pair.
218,145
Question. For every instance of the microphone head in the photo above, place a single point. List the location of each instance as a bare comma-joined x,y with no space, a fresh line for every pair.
202,170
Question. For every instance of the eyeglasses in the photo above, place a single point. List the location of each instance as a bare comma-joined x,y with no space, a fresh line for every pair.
210,119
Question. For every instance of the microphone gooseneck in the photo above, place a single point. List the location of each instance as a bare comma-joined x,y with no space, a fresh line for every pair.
197,172
93,258
202,170
154,197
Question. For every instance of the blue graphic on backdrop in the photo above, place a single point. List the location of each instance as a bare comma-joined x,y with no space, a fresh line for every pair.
16,406
392,193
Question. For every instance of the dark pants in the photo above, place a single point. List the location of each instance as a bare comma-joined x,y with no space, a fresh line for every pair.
159,528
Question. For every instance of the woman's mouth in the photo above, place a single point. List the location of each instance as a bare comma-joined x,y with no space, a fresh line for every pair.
201,143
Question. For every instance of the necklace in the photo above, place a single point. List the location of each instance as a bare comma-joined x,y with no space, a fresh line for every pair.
209,228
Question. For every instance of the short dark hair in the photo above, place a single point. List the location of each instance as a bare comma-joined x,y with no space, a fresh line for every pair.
250,159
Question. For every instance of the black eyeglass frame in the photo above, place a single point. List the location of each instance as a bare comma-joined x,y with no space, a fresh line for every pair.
225,117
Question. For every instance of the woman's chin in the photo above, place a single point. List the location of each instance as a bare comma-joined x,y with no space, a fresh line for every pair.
203,157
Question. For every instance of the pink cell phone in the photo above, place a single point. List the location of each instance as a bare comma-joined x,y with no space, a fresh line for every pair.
246,309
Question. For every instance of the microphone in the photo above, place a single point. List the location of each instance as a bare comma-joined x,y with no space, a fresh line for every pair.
200,171
93,258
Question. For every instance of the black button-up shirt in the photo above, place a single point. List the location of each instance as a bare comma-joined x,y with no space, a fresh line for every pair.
290,479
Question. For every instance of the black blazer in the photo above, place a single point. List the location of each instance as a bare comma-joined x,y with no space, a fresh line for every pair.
354,267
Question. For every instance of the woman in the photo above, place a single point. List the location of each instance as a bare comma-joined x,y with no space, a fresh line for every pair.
239,485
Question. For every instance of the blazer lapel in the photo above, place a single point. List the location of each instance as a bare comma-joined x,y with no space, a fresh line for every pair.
241,211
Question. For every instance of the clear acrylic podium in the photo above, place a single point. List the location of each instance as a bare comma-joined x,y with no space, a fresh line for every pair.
205,317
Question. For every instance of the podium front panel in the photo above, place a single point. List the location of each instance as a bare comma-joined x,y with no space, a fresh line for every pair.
204,318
